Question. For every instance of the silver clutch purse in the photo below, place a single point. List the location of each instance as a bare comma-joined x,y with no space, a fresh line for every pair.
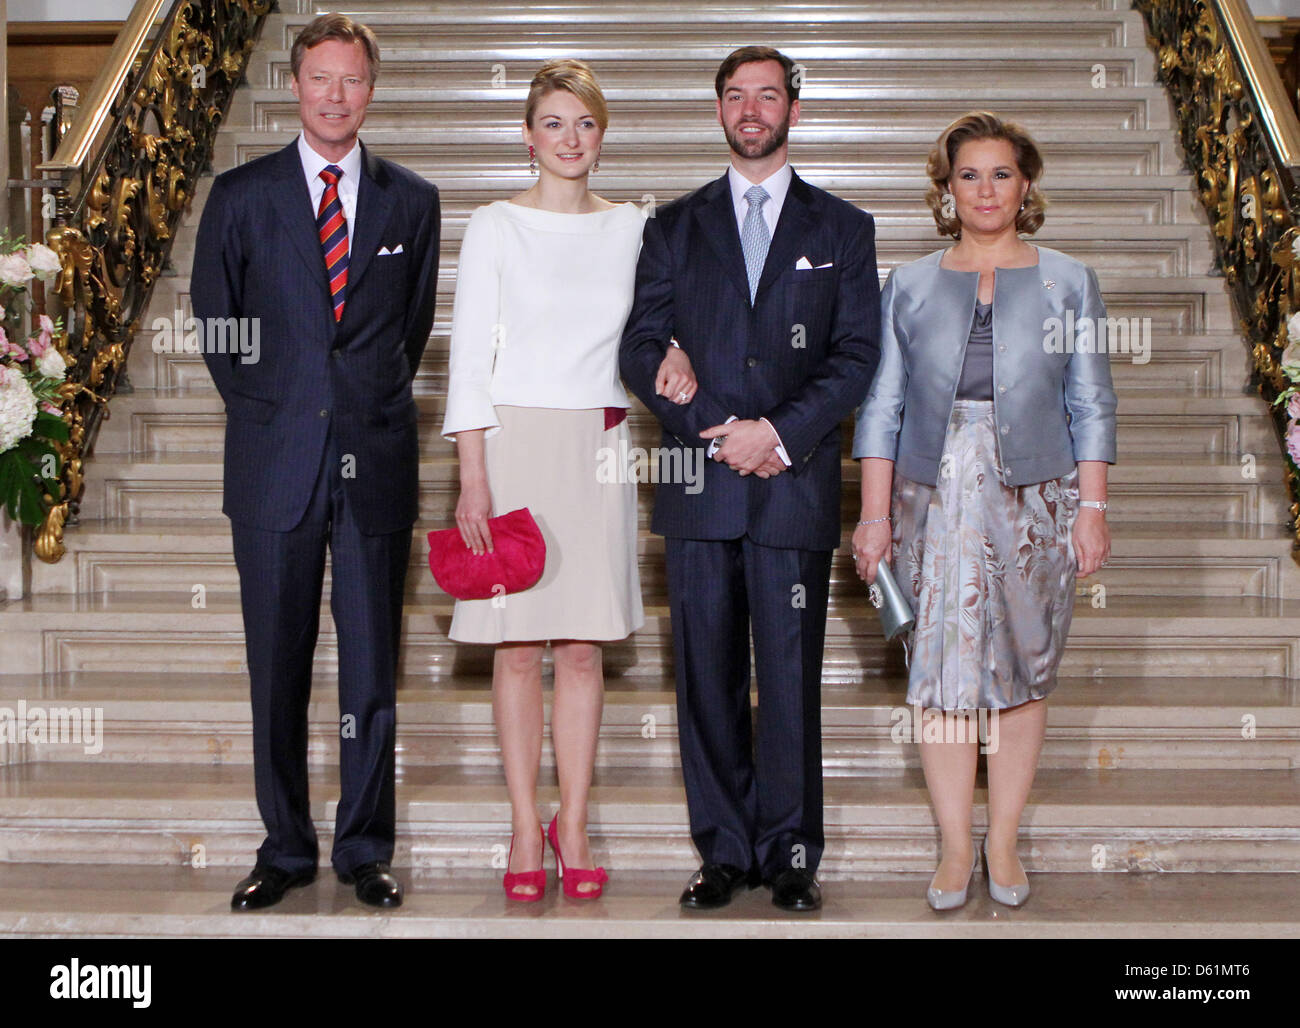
895,612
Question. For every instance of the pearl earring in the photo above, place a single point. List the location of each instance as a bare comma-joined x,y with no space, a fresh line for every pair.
532,160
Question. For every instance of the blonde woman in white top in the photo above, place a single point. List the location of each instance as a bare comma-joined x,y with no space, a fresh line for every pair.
544,285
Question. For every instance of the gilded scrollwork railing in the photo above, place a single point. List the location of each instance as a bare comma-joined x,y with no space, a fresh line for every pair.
122,176
1242,142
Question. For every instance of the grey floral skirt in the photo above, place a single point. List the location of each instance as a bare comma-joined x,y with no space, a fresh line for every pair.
989,570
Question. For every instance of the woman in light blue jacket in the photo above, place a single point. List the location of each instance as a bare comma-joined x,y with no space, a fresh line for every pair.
984,441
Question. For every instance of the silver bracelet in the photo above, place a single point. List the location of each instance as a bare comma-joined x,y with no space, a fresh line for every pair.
874,521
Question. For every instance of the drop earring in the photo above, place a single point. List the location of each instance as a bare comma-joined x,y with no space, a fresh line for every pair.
532,160
596,167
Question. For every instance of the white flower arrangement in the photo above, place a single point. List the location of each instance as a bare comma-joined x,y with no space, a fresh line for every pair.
17,407
32,375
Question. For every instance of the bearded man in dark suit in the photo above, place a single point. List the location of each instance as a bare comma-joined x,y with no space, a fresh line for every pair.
770,287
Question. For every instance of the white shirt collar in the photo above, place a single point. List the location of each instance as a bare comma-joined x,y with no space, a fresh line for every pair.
777,185
312,163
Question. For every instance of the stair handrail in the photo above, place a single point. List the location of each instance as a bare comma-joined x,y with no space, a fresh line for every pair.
121,177
1241,140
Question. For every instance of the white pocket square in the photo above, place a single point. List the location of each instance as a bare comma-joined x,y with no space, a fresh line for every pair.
803,264
385,252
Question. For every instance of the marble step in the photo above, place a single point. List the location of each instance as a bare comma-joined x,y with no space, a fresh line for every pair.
92,900
449,819
711,31
1104,724
602,23
1178,365
1171,558
1173,311
1090,204
616,12
633,89
836,158
1130,635
149,423
1148,486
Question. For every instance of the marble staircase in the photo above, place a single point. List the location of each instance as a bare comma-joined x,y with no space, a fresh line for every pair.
1168,800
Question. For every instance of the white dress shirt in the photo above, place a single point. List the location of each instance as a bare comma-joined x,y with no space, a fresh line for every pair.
349,181
777,185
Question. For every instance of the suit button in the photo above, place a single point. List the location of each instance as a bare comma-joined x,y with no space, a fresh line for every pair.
1005,429
337,353
324,414
751,361
1002,389
1002,349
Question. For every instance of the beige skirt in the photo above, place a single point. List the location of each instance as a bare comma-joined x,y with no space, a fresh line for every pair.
556,463
989,570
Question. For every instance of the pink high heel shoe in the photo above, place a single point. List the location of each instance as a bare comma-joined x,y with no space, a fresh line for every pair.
572,877
515,880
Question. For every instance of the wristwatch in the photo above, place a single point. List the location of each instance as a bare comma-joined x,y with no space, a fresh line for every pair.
1094,504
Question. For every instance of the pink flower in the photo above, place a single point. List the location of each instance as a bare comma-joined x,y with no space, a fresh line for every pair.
1293,407
39,343
8,349
1293,442
50,408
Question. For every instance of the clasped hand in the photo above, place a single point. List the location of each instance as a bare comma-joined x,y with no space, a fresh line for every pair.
748,447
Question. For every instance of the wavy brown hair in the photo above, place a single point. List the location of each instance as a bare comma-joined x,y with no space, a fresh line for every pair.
984,125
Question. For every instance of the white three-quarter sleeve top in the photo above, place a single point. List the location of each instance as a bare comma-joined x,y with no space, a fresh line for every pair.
541,298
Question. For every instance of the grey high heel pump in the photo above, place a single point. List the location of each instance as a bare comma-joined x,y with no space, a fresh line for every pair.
951,899
1009,895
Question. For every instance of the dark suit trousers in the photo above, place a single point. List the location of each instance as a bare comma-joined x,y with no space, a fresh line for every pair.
280,578
752,802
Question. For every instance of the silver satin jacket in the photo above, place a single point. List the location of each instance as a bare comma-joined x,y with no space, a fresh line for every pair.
1052,398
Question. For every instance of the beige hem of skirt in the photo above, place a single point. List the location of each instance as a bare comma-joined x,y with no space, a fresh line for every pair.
555,462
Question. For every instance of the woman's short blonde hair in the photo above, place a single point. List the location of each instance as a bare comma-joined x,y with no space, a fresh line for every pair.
983,125
572,76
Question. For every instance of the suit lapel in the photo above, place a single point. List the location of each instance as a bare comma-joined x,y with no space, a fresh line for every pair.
795,220
374,204
717,216
292,203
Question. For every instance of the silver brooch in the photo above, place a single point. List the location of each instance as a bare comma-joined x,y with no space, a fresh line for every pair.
1048,284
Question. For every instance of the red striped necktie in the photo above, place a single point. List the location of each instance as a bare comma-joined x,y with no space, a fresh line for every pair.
333,228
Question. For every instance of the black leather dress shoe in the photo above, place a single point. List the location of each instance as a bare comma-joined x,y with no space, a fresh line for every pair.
793,889
266,886
376,886
713,886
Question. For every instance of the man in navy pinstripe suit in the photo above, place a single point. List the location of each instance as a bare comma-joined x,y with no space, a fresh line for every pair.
770,287
335,253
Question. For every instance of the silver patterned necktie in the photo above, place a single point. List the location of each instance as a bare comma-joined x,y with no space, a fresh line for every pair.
754,237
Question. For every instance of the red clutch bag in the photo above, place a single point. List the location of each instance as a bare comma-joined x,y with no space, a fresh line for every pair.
516,562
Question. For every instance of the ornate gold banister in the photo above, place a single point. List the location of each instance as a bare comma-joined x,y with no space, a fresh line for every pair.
1242,142
122,176
75,145
1259,72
